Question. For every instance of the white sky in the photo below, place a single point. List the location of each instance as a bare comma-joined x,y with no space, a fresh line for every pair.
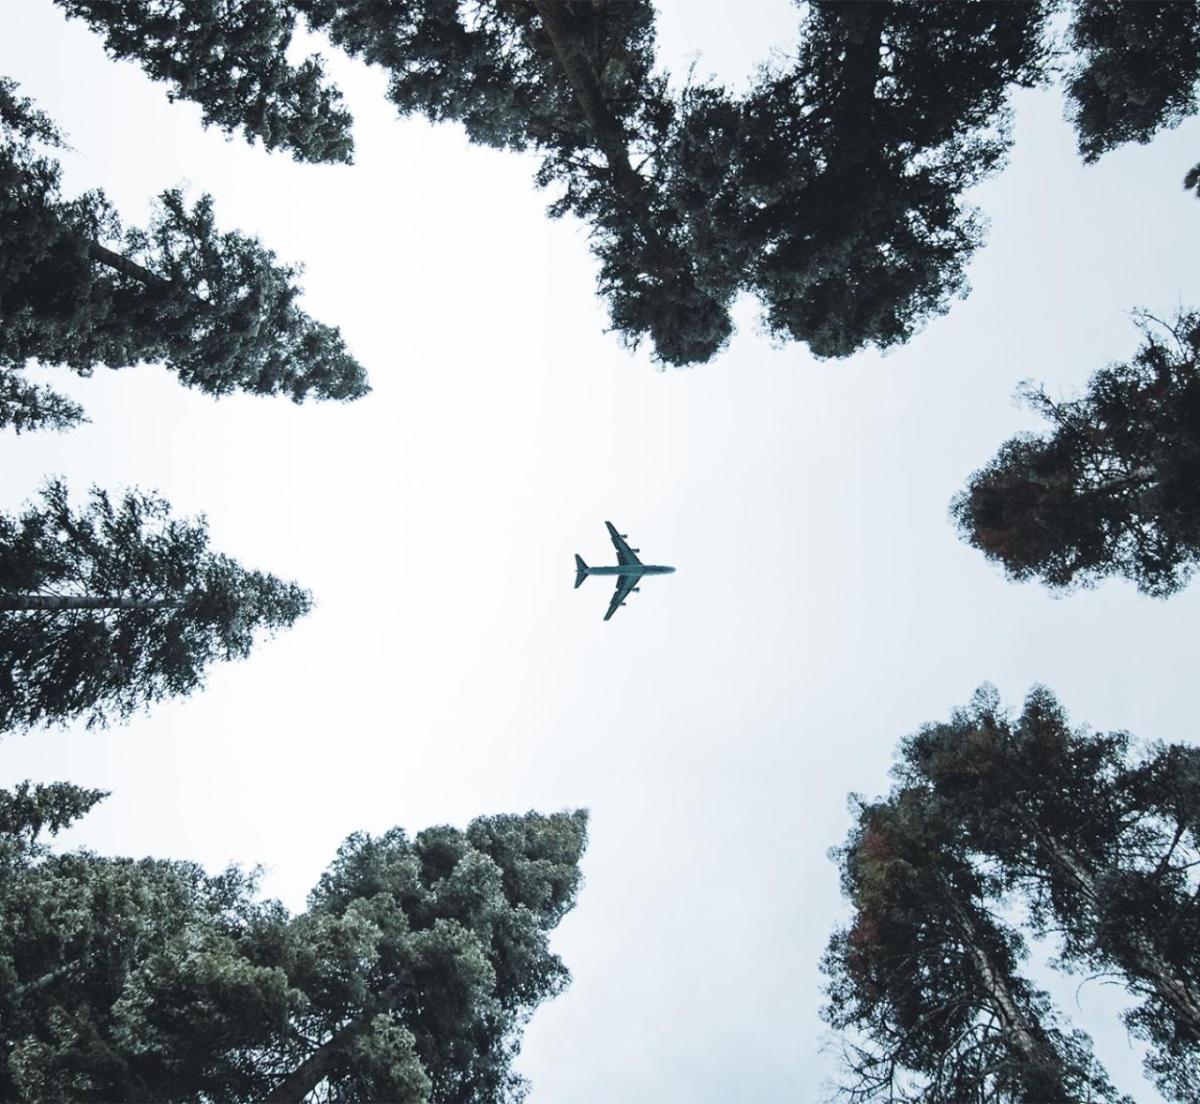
822,609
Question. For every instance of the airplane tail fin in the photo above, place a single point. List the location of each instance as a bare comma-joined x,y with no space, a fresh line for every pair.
581,571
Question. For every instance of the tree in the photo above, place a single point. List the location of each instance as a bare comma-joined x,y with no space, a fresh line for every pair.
857,157
923,985
1103,846
110,607
26,406
818,193
1135,72
574,81
215,307
408,978
231,59
832,191
1114,488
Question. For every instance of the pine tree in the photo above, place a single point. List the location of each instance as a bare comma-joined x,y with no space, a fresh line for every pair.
923,985
1114,488
26,406
857,156
1104,846
216,307
832,191
231,59
408,978
114,606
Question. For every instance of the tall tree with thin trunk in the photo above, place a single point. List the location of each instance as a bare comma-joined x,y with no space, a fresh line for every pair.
923,985
1105,845
408,978
76,289
110,607
1114,487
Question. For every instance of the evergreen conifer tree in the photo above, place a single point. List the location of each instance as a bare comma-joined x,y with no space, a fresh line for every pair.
408,978
832,191
1114,487
231,59
217,308
923,985
1136,70
1104,845
114,606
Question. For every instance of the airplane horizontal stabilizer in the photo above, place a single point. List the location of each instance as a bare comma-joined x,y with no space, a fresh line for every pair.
581,571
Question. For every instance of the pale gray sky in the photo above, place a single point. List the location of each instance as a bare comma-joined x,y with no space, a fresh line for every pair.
822,608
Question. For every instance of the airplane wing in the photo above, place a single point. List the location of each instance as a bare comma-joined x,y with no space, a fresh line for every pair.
625,583
624,552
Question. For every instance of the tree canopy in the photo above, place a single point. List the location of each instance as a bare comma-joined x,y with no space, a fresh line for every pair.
924,986
1097,839
116,605
1114,487
832,190
408,978
1135,70
79,290
231,59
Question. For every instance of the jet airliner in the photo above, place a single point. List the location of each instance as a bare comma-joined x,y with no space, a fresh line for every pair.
628,570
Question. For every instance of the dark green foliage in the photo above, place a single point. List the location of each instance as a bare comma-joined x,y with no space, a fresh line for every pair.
28,810
111,607
1104,847
923,985
1136,70
409,977
1114,488
832,191
217,308
231,60
855,159
575,82
25,406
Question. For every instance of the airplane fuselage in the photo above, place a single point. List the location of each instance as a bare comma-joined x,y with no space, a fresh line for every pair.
631,569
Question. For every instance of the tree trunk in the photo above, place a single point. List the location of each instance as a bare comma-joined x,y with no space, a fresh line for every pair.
125,266
607,132
309,1074
58,602
1023,1036
860,73
1143,960
46,979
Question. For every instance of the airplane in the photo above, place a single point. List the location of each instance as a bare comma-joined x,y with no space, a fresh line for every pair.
629,570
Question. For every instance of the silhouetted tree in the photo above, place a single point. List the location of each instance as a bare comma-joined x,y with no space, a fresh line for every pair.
1135,71
832,191
408,978
923,985
857,155
574,81
26,406
1114,488
114,606
231,60
1105,847
215,307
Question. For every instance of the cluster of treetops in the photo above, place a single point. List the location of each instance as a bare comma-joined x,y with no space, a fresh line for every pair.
832,192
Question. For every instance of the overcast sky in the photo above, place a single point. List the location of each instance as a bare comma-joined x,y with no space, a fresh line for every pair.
822,607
